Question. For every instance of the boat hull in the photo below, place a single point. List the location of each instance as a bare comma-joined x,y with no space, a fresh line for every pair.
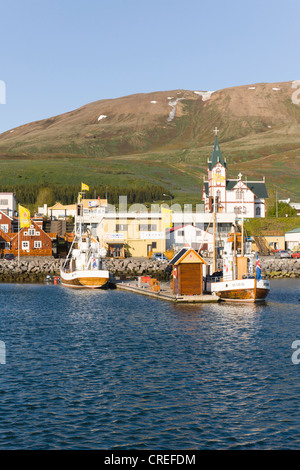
244,290
85,279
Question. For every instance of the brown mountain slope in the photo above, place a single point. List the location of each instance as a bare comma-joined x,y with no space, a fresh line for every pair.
259,125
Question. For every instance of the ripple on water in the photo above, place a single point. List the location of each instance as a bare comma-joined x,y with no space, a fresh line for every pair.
111,370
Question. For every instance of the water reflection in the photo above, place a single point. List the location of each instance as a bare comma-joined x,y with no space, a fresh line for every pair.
141,373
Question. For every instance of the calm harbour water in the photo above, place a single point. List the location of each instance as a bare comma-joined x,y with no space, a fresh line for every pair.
114,370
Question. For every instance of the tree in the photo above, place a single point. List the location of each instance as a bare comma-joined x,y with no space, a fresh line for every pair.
45,196
283,210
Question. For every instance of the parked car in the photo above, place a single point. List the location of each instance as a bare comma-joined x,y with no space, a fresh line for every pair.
296,254
9,256
159,256
283,254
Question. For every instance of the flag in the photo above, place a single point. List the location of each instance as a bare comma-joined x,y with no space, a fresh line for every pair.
218,178
84,187
24,216
166,217
258,269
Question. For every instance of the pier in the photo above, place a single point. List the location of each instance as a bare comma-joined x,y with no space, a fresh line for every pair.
165,293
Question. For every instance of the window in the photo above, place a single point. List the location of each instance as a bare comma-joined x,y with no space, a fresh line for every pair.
239,194
180,233
121,227
3,202
31,231
147,227
257,211
4,227
38,244
25,245
240,210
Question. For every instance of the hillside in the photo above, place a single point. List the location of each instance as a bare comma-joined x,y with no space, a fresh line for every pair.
163,138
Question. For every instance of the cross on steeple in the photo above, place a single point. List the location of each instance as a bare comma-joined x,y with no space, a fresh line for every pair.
216,130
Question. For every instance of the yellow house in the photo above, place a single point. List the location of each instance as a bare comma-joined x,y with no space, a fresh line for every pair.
275,240
136,233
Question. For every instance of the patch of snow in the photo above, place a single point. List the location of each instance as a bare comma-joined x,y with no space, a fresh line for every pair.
205,94
153,102
103,116
251,87
269,127
12,130
173,105
170,97
276,89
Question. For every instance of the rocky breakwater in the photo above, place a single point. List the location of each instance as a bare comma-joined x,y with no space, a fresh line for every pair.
277,268
135,267
28,270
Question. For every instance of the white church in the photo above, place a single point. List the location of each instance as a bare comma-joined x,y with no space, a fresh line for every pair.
220,194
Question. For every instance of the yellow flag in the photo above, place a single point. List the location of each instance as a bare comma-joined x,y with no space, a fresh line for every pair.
166,217
84,187
218,178
24,215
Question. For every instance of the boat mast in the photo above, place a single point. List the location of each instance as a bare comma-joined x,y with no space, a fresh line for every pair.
214,241
234,253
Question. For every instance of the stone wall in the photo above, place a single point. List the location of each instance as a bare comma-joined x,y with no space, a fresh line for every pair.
276,268
36,269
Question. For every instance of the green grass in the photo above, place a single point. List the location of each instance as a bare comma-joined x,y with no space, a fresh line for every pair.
255,227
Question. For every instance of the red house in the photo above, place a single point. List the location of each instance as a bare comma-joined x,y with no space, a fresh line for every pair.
32,241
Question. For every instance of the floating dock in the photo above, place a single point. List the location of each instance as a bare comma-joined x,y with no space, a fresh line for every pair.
165,293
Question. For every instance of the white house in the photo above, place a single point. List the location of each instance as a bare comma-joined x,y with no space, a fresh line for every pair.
239,196
189,235
292,238
8,203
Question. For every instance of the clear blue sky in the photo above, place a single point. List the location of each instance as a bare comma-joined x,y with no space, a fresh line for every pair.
57,55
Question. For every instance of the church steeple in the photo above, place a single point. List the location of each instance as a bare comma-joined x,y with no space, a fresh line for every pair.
216,156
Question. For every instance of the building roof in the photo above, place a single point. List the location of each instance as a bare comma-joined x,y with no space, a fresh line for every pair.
295,230
216,156
180,227
257,187
57,206
183,253
178,255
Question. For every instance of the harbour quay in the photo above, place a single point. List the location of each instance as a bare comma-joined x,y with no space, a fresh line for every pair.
163,291
35,269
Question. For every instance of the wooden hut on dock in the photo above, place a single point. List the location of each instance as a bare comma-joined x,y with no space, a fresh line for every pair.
187,267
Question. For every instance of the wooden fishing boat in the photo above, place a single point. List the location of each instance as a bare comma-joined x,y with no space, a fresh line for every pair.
238,280
239,290
84,265
83,268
